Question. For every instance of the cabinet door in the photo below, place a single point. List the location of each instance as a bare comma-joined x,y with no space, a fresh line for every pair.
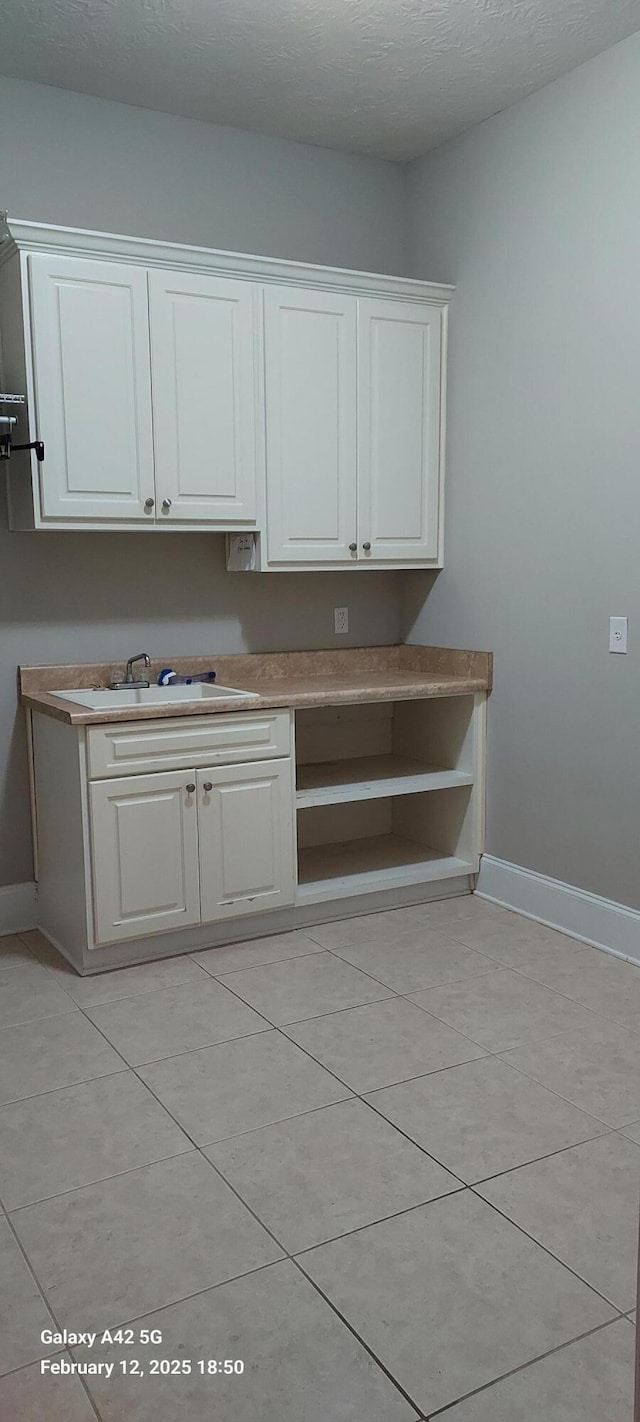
203,359
245,816
310,370
399,454
90,333
144,841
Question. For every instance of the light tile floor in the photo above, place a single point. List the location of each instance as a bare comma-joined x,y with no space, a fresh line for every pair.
391,1163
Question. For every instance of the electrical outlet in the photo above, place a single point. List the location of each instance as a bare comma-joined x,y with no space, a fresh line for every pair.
341,619
618,634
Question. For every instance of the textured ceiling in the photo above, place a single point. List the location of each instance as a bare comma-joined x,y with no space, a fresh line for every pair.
390,78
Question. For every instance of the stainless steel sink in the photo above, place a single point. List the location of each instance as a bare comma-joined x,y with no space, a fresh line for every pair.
101,700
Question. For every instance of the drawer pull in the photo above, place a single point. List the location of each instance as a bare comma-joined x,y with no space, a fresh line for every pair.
208,785
190,789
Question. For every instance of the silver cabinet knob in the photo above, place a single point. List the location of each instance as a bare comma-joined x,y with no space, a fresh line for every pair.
190,789
367,547
166,504
353,547
208,785
149,503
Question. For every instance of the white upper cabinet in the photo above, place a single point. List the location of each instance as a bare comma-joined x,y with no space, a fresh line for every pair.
399,430
175,387
354,430
203,362
310,373
90,339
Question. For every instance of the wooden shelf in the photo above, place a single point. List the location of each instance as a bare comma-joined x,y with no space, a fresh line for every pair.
356,866
370,778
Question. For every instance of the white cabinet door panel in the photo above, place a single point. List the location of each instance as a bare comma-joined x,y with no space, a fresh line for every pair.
399,387
246,838
310,372
92,375
144,832
203,356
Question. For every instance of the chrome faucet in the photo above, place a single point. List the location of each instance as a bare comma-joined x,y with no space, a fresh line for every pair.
131,682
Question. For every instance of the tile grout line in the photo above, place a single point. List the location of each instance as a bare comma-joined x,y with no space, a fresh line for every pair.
354,1332
449,982
500,965
549,1155
84,1081
441,1412
50,1310
102,1180
246,968
487,1053
499,1056
536,1042
619,1312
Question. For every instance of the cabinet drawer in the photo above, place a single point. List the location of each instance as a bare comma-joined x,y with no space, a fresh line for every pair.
127,748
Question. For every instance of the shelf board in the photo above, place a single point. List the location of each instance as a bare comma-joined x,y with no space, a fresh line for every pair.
356,866
370,778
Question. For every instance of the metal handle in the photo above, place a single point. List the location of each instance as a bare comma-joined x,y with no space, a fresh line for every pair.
367,547
166,504
190,789
208,785
353,547
149,503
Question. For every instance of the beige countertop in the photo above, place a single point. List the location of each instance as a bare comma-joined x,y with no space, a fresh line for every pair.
274,679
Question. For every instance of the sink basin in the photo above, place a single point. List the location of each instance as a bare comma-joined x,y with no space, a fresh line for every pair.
102,700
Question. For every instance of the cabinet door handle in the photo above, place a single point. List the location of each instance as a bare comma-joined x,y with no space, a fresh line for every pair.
166,504
190,789
353,547
208,785
149,503
367,547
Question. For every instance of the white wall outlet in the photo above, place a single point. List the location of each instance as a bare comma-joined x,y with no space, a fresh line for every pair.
341,619
618,634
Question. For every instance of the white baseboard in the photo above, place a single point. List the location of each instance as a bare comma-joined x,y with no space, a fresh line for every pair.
18,910
598,921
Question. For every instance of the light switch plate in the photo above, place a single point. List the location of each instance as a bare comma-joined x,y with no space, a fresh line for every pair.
618,634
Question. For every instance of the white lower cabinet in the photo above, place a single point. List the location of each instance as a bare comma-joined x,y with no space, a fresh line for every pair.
144,840
245,819
177,834
185,847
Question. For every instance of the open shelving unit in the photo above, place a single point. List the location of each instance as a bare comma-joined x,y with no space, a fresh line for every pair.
388,794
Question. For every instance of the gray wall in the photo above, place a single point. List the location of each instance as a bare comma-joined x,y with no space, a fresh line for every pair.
85,162
535,215
66,158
